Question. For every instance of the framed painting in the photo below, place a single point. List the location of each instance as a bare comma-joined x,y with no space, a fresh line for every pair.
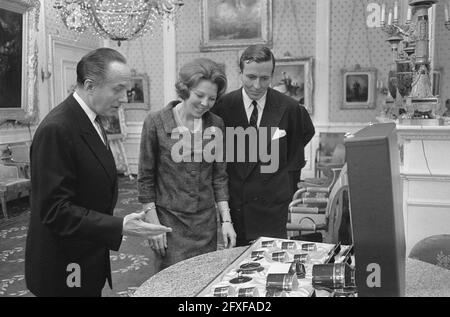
359,87
294,77
18,59
140,91
116,133
231,24
114,125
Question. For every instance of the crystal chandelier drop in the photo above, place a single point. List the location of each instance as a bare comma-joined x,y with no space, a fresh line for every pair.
118,20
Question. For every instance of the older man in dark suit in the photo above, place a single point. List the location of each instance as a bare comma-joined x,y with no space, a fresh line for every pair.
259,198
74,187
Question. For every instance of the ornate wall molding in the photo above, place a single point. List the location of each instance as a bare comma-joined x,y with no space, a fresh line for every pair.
424,132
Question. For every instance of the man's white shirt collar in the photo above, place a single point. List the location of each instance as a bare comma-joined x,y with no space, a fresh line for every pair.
249,108
91,114
248,101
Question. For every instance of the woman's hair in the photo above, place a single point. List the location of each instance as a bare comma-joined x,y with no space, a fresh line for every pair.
200,69
94,65
256,53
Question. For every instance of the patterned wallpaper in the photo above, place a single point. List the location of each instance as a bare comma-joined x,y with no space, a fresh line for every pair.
145,55
352,42
293,32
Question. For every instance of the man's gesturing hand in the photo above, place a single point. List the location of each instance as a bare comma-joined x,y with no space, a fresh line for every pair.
134,225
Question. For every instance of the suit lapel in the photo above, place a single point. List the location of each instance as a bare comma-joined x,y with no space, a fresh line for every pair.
271,117
273,111
93,140
238,115
103,155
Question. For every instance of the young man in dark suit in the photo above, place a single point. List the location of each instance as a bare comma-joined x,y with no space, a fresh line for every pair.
259,198
74,186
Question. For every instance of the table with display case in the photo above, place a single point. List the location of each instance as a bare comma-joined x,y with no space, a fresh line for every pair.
200,275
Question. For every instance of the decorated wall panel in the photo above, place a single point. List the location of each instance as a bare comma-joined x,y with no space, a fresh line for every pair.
353,42
293,33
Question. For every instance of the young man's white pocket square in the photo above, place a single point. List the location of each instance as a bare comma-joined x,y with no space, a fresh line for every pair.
278,134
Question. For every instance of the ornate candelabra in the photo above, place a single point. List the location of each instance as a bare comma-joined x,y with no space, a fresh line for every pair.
410,97
392,106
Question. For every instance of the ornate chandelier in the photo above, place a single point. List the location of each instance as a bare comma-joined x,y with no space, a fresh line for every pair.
118,20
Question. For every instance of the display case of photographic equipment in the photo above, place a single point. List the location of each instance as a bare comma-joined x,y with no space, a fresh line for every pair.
287,268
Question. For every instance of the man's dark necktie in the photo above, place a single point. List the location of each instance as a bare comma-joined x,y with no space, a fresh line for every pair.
105,138
254,123
254,115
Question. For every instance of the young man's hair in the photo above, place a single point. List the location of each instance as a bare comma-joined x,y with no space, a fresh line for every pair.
258,54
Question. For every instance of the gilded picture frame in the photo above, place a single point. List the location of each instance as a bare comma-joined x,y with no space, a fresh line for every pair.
234,24
115,125
138,98
140,89
359,88
294,77
19,43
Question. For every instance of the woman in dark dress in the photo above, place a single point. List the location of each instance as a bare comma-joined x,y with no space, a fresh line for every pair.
178,184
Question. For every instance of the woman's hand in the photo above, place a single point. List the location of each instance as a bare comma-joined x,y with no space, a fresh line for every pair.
229,235
159,244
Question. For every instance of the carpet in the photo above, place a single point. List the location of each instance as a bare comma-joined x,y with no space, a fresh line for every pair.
131,265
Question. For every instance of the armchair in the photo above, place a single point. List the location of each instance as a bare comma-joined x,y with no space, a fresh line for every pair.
19,156
330,153
319,208
12,186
